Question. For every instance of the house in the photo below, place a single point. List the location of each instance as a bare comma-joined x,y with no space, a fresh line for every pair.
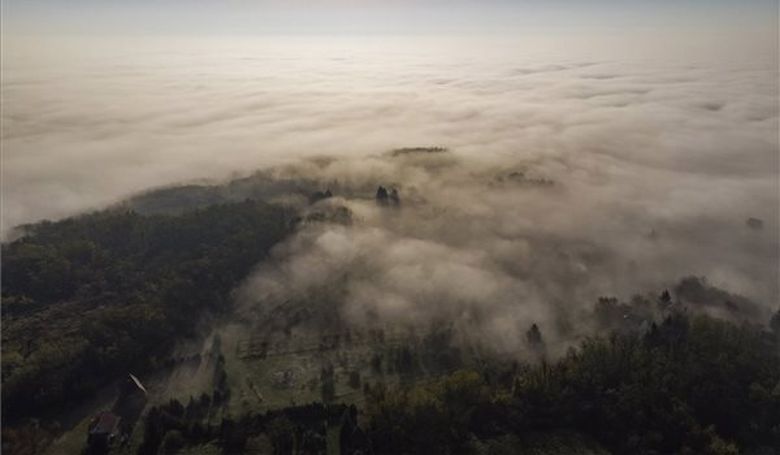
103,430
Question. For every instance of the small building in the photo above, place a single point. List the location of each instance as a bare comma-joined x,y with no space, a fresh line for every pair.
103,430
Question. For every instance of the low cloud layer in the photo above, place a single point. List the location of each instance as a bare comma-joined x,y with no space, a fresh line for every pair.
495,244
87,124
657,161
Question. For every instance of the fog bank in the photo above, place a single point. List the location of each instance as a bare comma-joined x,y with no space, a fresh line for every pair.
87,122
492,245
659,152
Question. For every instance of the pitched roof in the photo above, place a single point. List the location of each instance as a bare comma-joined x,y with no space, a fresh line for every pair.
104,423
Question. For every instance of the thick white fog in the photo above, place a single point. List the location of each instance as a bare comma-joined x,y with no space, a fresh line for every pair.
660,149
491,244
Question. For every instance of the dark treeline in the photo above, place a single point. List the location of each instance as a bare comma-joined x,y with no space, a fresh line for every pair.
686,385
86,299
691,384
296,429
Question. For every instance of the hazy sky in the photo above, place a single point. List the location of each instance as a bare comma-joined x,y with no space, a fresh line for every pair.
377,16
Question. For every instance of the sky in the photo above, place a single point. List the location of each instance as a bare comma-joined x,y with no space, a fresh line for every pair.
231,17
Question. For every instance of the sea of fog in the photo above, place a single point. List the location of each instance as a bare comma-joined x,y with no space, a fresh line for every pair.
650,140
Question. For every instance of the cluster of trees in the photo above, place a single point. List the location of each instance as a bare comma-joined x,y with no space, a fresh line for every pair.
434,353
304,429
690,384
687,384
387,197
87,299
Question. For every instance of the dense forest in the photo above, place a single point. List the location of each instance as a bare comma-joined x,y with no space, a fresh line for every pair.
687,385
88,299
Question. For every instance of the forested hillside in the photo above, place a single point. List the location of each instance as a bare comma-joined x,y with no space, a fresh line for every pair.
687,385
89,299
86,299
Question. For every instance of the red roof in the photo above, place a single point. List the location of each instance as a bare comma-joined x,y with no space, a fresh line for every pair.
104,423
